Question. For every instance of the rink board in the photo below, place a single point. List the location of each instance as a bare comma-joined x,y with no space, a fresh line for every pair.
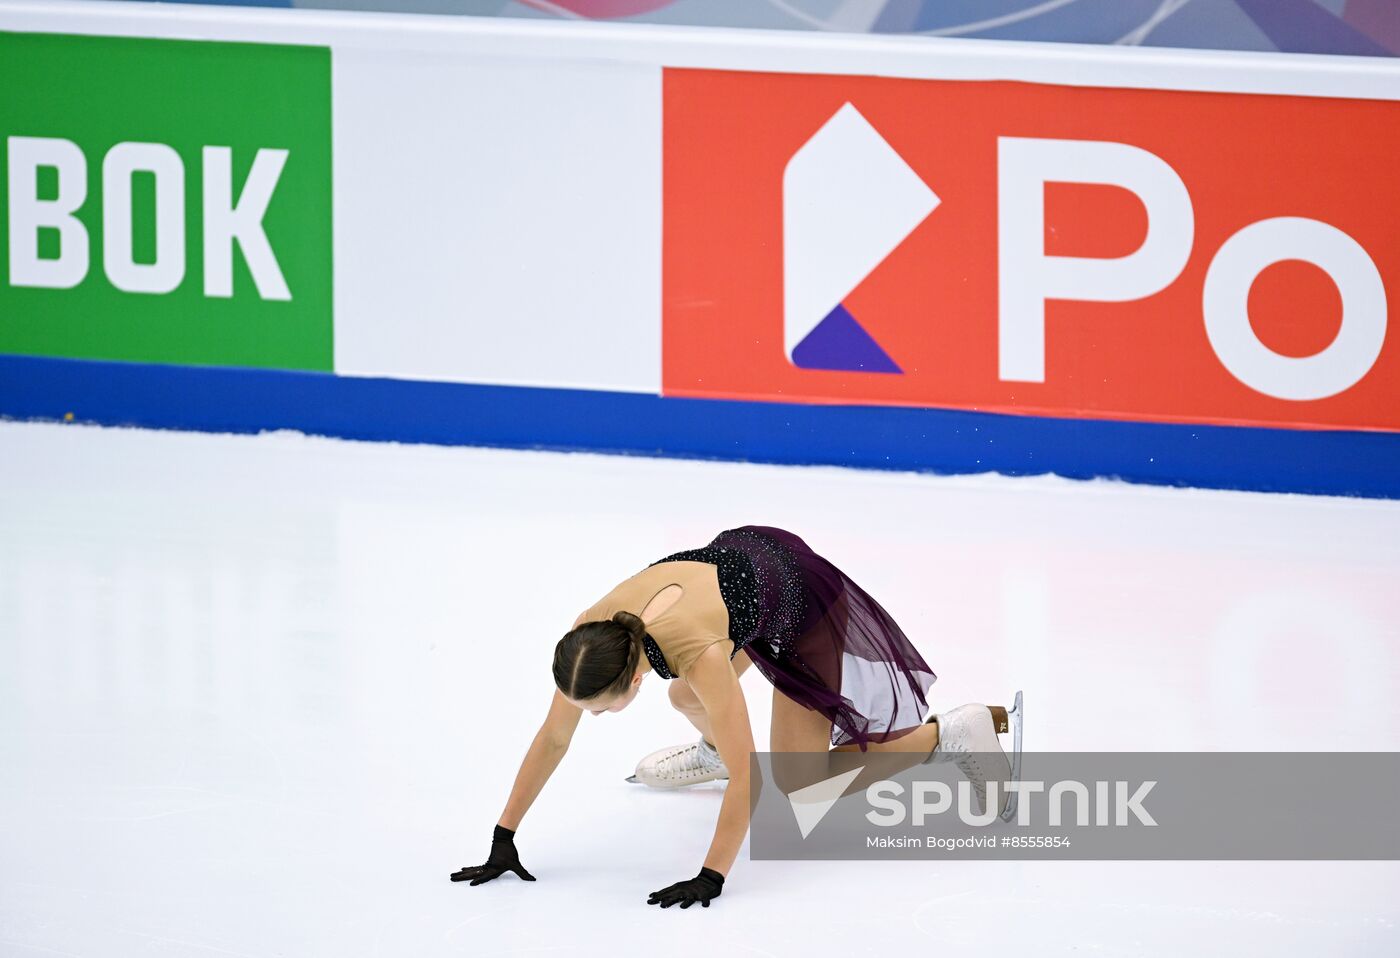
638,239
590,420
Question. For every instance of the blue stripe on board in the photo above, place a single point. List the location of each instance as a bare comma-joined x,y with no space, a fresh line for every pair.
222,399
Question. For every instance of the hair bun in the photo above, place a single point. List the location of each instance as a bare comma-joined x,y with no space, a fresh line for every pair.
633,623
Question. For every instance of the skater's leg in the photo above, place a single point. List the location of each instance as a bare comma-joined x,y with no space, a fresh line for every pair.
900,754
688,703
797,728
689,763
920,743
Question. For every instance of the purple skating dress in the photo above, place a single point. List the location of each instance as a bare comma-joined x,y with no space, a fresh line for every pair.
819,638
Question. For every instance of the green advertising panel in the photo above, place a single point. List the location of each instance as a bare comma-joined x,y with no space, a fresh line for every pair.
165,201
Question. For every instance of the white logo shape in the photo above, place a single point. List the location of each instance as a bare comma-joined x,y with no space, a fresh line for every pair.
848,201
811,803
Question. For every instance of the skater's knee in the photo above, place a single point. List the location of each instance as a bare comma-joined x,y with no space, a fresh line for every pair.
792,776
682,697
786,780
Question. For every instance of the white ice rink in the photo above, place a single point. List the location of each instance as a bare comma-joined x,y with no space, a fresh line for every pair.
262,695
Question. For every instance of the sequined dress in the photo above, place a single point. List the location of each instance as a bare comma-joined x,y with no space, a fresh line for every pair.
815,634
761,586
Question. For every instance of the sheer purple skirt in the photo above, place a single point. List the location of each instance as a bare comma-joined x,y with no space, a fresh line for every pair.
837,652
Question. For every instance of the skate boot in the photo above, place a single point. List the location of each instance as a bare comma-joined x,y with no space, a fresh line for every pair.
680,765
967,736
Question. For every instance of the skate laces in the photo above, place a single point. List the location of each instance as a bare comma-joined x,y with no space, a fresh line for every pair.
690,760
968,765
958,750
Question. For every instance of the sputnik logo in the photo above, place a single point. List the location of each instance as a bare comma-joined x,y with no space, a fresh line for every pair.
849,200
811,803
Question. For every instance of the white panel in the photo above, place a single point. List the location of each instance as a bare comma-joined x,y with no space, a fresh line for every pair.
497,222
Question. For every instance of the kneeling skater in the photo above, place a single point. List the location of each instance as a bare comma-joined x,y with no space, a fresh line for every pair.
842,672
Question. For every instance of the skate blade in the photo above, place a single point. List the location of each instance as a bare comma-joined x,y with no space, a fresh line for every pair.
1014,716
634,778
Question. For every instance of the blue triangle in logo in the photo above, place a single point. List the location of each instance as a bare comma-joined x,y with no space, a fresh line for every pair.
839,342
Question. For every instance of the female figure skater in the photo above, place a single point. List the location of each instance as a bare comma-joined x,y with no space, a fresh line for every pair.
842,671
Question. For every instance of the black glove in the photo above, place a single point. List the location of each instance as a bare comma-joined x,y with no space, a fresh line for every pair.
503,858
704,886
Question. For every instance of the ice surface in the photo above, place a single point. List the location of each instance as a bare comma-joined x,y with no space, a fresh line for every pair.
261,695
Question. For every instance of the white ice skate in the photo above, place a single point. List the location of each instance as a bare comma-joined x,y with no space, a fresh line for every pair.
680,765
967,736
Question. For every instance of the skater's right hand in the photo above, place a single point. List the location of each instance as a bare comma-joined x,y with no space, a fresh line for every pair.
503,858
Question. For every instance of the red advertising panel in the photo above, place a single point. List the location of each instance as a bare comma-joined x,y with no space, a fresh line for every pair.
1032,248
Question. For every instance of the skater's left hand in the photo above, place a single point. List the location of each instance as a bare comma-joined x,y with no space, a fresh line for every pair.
704,886
504,858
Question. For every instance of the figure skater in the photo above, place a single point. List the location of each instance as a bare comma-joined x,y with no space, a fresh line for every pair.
842,672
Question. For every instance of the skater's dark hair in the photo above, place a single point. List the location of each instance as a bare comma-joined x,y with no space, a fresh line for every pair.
598,659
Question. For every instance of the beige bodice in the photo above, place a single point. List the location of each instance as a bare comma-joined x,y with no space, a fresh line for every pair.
690,625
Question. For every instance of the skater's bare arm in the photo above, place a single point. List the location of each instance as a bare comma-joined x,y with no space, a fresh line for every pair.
715,684
542,758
